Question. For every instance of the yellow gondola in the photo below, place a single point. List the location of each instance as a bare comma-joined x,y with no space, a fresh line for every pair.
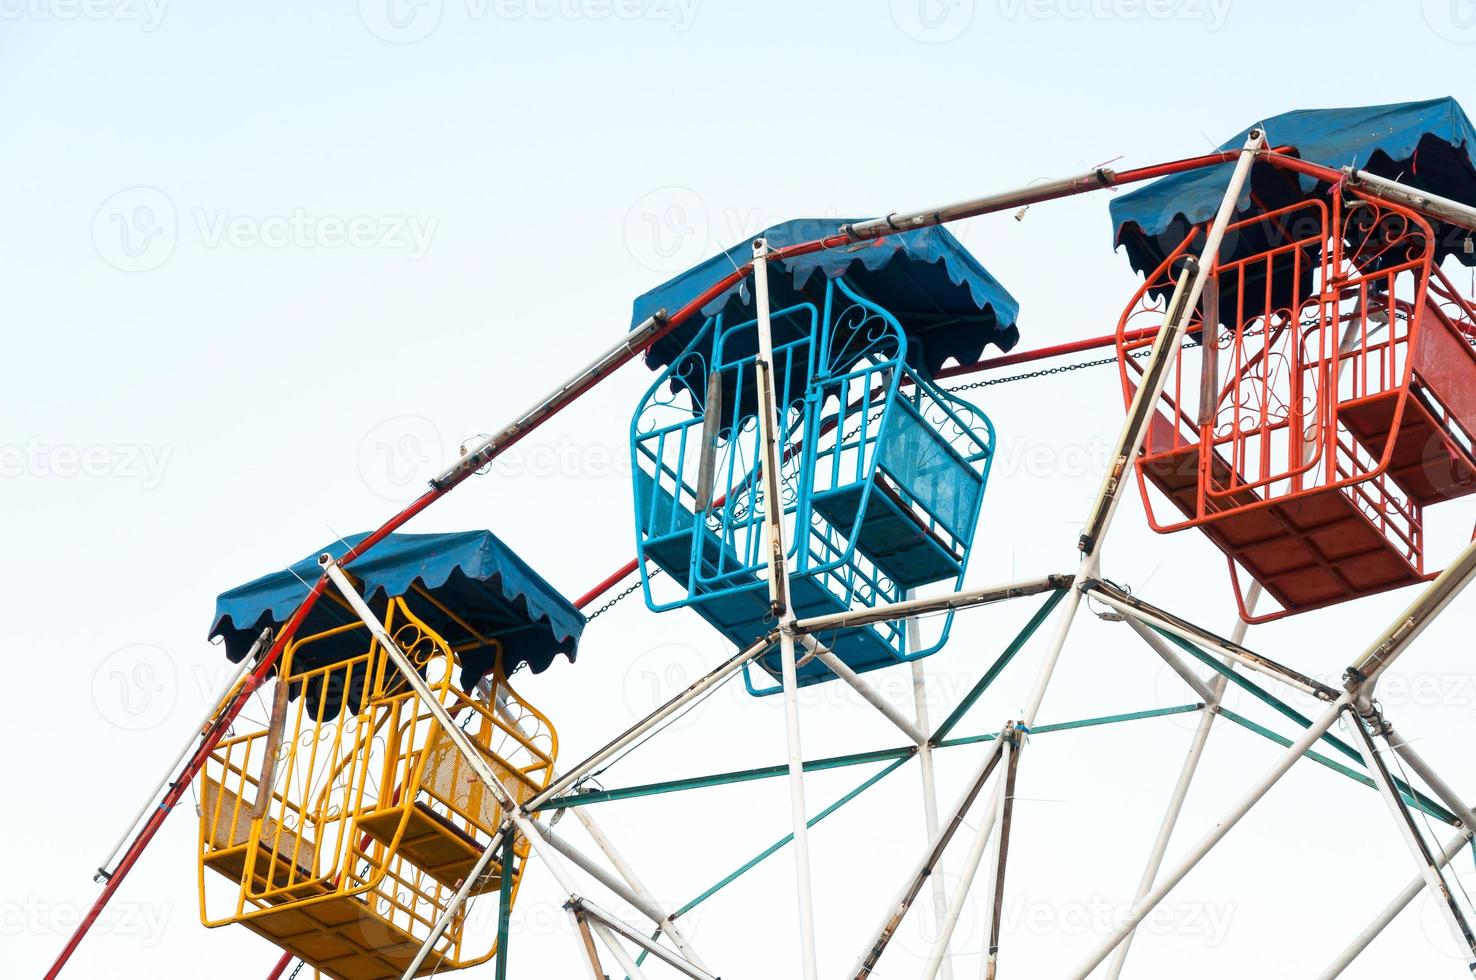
347,821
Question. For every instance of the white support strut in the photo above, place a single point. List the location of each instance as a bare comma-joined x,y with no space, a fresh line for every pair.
1418,848
1175,663
925,766
868,693
698,688
645,942
263,641
1143,613
939,950
779,592
1390,912
1216,834
1186,775
443,921
632,971
605,844
1165,348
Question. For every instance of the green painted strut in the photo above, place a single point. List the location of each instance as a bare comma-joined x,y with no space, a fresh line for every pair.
1066,726
899,754
1416,797
778,845
1016,645
504,902
725,778
767,852
1353,774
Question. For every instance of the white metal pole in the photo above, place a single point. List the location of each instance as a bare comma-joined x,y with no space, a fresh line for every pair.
482,451
909,608
1176,663
459,738
1166,829
1186,774
667,925
871,953
929,782
1391,911
1431,601
627,964
868,693
1165,349
1432,779
1065,618
989,962
1032,708
645,942
1217,833
247,662
994,903
779,597
449,912
591,867
603,841
925,865
939,951
1006,201
1418,849
1147,614
637,731
1442,207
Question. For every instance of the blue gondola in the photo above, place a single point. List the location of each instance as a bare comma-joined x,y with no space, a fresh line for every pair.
882,472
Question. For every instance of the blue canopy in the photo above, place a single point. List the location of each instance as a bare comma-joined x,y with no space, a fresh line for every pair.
1426,145
471,573
949,304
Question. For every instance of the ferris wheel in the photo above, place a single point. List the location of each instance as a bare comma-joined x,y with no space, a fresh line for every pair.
1298,373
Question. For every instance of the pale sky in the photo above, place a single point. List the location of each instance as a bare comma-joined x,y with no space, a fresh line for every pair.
266,265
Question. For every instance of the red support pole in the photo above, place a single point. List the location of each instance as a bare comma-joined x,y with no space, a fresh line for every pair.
1043,353
281,967
606,585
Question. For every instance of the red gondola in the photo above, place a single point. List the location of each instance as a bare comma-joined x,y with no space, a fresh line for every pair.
1336,399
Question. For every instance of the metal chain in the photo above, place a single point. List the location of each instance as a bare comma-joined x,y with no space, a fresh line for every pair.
623,593
1058,369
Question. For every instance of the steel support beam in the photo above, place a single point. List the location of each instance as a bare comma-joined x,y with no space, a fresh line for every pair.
640,729
1409,832
1391,911
1216,834
779,592
1190,766
663,954
1152,616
